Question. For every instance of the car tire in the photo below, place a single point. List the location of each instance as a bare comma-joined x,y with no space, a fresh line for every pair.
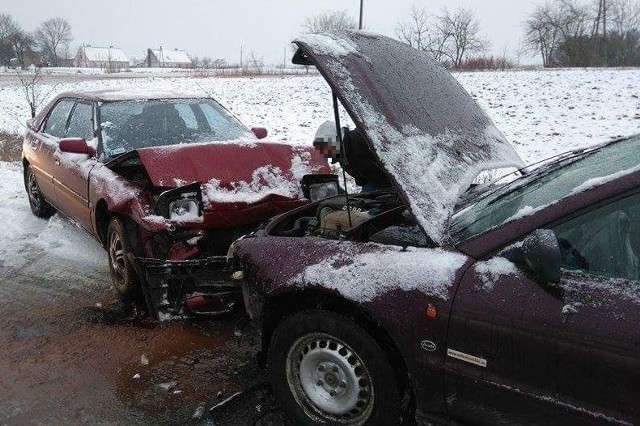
326,369
39,206
123,274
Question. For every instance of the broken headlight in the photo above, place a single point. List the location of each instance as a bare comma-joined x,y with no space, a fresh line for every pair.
318,187
185,207
180,203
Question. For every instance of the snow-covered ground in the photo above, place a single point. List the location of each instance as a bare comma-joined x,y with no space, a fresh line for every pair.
541,112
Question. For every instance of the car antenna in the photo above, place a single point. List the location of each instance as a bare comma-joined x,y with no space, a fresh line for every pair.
342,160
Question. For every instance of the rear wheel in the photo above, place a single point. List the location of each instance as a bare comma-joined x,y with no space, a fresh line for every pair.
123,274
39,206
328,370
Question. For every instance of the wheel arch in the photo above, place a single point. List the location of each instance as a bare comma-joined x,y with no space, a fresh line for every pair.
102,218
286,304
25,166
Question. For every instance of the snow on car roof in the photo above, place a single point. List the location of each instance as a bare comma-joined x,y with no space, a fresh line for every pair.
116,94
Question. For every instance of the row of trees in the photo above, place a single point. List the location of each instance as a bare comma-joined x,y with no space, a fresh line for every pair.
52,38
594,33
450,36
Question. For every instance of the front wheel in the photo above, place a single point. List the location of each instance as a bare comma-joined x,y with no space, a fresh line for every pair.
123,274
39,206
326,369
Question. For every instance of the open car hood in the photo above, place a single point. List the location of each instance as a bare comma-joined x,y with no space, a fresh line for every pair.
430,135
235,172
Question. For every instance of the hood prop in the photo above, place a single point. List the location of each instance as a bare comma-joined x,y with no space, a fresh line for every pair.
342,160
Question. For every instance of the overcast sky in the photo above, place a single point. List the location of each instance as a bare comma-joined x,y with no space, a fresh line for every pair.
218,28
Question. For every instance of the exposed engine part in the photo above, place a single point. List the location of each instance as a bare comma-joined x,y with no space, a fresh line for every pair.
379,217
339,220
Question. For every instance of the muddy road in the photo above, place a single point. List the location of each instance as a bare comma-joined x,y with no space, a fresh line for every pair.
70,354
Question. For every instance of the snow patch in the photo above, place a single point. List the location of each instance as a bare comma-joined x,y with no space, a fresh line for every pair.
592,183
365,276
324,44
491,270
265,181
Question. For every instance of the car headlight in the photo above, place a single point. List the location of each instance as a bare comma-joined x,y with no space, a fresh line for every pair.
183,208
320,191
180,204
318,186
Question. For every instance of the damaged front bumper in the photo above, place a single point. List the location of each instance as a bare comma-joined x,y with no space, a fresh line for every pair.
175,289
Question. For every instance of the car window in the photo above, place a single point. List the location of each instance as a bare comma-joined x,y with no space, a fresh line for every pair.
605,241
543,188
81,122
186,113
128,125
57,120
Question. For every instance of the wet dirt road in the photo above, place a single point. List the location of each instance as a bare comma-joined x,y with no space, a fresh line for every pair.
75,358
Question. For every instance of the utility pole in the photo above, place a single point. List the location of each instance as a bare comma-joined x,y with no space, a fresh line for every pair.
240,56
360,22
604,33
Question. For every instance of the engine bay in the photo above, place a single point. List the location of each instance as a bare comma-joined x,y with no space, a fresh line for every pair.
379,217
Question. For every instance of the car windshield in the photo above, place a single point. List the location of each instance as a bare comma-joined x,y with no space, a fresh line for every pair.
129,125
542,187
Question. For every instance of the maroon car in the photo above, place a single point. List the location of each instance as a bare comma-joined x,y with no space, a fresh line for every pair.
512,302
160,176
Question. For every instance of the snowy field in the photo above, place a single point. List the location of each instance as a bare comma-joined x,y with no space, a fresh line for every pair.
541,112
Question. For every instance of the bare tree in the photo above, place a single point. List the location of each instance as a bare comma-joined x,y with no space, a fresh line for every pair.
23,43
459,34
256,63
542,34
416,31
9,30
624,24
33,89
328,21
53,36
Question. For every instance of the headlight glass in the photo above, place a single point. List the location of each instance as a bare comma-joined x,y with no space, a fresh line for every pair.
319,191
184,209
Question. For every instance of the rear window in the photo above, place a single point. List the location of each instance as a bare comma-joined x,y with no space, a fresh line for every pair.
129,125
542,188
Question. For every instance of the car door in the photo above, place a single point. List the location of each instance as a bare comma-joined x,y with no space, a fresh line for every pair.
44,144
72,175
521,351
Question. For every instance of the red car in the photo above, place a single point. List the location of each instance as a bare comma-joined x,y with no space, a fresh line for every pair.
161,176
512,302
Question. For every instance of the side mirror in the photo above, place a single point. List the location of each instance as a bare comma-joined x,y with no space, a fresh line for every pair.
76,146
260,132
541,254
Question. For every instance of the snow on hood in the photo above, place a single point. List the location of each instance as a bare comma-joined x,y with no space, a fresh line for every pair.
364,276
428,132
233,172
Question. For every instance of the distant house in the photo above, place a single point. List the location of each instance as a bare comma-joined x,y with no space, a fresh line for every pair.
167,58
106,58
